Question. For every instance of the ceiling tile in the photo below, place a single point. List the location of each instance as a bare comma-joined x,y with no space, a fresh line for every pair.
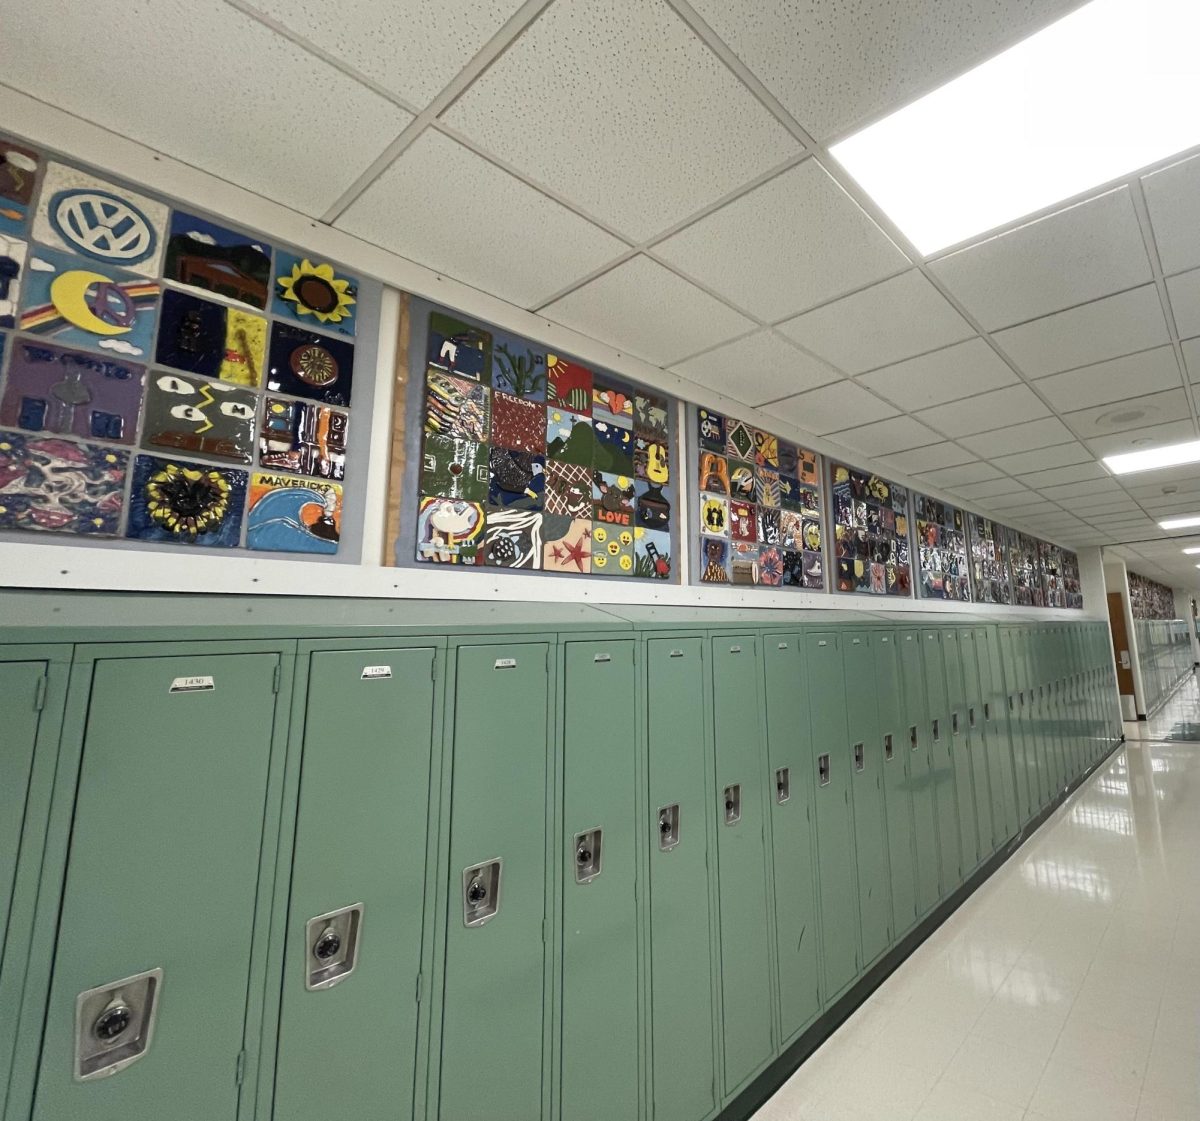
413,51
1115,380
1025,501
625,112
960,476
1075,255
1185,479
885,323
1173,199
251,130
1043,459
828,409
1001,407
1018,438
1137,412
444,207
1103,329
793,242
886,436
1184,291
761,367
1111,505
832,65
962,370
992,488
1088,486
647,310
1191,358
1173,432
930,458
1072,474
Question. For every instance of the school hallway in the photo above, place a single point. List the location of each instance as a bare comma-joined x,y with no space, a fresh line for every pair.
1067,988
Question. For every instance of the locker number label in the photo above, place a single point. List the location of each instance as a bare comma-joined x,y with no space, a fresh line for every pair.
376,673
192,685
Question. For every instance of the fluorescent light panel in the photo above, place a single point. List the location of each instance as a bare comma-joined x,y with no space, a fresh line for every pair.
1180,523
1103,92
1192,553
1152,459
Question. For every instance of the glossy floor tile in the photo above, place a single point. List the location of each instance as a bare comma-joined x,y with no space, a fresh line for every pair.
1067,988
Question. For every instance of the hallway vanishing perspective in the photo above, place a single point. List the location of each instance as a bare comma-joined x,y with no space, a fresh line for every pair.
1067,988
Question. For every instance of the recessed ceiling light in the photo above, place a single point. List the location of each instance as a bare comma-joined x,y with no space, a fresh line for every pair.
1041,122
1180,523
1153,458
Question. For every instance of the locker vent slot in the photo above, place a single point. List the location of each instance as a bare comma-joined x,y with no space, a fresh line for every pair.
823,769
888,750
860,757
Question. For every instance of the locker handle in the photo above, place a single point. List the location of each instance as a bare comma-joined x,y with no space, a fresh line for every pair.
912,736
823,769
589,850
937,731
971,717
783,785
733,804
987,710
954,723
668,827
888,750
860,757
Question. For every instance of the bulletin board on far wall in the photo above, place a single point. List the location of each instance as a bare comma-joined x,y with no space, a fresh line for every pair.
870,526
758,506
172,380
516,456
989,560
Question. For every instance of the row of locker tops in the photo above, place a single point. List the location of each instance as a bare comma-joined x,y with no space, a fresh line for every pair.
49,616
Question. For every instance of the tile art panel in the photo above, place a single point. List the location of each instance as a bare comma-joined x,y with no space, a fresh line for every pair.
18,176
870,522
306,364
942,562
186,503
304,436
201,254
289,515
315,292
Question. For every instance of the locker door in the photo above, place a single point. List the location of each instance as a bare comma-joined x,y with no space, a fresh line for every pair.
163,875
1024,761
741,858
976,732
916,744
360,841
20,686
942,763
960,751
836,879
681,996
599,925
495,957
865,763
897,785
790,763
999,744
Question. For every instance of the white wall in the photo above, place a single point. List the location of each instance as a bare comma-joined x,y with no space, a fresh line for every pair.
56,564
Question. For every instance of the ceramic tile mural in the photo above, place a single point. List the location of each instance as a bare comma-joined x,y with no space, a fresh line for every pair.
941,550
870,524
171,377
1147,598
1050,558
1072,588
759,507
530,460
989,560
1025,563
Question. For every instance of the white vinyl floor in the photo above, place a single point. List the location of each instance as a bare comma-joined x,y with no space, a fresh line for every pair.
1067,988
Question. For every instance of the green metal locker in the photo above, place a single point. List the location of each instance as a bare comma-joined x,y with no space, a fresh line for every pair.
600,967
682,998
999,738
153,964
865,762
916,744
793,846
836,878
23,687
960,751
353,960
897,784
942,763
975,728
492,1005
739,736
1024,756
